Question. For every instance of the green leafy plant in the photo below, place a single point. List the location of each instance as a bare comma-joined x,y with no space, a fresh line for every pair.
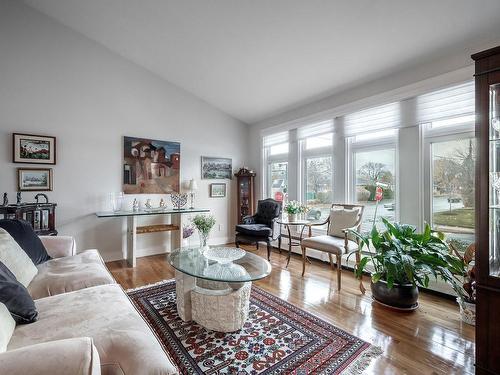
403,256
467,290
204,223
295,207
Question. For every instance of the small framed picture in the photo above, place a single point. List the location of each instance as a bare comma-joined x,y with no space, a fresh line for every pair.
33,149
34,179
217,190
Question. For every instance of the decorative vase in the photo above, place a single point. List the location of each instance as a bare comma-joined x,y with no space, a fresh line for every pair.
467,312
185,242
203,241
292,217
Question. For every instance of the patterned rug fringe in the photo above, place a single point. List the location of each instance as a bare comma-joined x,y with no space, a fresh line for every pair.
150,285
360,364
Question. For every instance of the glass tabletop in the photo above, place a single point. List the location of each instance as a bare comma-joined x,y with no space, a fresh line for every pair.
285,221
225,264
145,212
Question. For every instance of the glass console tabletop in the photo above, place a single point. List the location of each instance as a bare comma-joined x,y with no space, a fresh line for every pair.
156,211
223,264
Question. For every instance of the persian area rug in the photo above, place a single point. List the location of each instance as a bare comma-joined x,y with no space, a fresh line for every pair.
278,338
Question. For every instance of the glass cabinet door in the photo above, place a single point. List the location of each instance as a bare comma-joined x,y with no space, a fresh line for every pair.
494,129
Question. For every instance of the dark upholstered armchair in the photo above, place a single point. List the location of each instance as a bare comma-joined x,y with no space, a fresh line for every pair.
262,226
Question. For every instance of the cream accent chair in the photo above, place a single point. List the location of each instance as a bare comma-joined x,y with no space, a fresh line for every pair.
337,241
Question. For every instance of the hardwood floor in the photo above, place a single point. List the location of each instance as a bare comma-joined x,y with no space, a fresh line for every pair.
431,340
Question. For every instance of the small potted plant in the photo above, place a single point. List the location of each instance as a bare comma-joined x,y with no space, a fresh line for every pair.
403,260
467,290
293,209
204,224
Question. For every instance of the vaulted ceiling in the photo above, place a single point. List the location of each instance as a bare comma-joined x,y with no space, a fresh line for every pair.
256,58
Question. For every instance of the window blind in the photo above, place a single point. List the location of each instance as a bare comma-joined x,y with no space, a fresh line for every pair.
314,130
456,101
275,139
372,120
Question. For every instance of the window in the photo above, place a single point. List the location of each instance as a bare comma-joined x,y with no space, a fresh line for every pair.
278,180
276,148
318,186
452,187
372,162
372,168
450,149
316,145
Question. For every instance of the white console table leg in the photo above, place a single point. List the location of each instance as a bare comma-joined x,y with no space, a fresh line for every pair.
131,240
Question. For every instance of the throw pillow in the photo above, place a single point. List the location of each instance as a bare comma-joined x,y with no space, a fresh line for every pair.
340,219
16,259
16,297
7,325
26,237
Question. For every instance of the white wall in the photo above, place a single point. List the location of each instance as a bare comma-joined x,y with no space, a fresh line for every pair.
56,82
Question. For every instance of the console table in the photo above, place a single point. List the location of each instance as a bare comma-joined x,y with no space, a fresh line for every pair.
133,230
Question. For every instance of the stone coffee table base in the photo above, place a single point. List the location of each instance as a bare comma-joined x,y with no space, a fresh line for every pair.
218,306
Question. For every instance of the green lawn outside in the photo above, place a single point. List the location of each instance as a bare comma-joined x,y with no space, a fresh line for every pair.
460,217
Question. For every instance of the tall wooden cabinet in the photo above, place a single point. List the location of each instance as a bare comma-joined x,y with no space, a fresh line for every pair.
488,211
246,192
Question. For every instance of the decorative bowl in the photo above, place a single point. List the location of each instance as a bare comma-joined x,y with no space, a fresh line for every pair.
227,272
178,200
224,255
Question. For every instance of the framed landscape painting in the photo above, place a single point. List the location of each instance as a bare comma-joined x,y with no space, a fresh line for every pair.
151,166
34,179
216,168
217,190
33,149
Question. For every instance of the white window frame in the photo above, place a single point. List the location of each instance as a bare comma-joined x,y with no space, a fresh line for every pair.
445,134
305,154
377,144
271,159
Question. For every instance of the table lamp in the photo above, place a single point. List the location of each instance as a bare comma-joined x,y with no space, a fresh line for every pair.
193,186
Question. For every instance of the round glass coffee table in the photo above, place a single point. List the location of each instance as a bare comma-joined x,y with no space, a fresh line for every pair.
213,286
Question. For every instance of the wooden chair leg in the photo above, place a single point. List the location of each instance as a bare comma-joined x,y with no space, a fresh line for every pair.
257,245
339,271
331,261
237,244
268,250
279,244
304,257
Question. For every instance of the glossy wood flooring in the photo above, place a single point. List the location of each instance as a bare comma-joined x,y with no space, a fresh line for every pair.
431,340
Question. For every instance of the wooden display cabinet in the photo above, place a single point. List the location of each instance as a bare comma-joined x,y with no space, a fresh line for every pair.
488,211
246,193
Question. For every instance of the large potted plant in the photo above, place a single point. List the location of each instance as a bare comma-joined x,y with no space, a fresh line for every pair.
403,259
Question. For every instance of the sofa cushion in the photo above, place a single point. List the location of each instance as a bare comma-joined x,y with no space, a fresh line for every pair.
62,275
7,325
16,259
26,237
341,219
122,338
16,298
329,244
71,356
257,230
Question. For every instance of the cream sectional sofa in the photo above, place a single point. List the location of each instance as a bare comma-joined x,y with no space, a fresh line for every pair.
86,323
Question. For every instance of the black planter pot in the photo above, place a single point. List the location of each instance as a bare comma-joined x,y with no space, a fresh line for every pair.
400,296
